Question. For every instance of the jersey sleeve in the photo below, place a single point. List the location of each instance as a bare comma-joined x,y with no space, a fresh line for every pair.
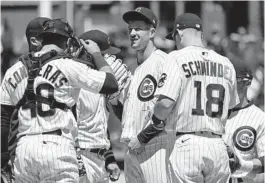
81,76
6,98
260,144
234,99
170,81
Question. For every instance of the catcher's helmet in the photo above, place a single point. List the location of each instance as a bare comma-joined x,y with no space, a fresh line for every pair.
57,26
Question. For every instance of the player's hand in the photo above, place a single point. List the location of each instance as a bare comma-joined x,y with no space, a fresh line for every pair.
90,46
234,164
114,171
135,145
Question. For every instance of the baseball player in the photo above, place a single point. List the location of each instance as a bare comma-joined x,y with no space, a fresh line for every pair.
149,165
245,133
198,88
8,148
92,117
45,94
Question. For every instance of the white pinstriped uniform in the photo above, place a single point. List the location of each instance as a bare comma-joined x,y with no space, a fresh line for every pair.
63,78
92,117
203,85
245,133
149,166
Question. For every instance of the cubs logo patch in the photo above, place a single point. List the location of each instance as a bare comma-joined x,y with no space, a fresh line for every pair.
244,138
147,88
161,80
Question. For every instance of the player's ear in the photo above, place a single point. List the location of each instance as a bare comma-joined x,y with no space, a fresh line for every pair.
152,32
34,41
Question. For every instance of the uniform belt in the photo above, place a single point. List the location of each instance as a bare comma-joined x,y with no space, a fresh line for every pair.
198,133
238,180
55,132
99,152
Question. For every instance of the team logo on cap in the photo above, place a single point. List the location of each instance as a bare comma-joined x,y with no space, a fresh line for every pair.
138,9
198,26
244,138
147,88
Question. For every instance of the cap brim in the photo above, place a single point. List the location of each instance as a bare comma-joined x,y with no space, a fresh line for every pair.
111,50
170,36
133,15
54,31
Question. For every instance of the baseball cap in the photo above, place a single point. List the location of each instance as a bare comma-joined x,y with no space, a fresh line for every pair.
141,13
186,20
242,71
57,26
35,26
102,40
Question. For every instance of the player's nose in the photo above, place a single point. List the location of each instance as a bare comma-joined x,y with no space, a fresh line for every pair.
132,32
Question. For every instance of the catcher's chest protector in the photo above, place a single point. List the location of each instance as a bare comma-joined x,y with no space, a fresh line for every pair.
33,65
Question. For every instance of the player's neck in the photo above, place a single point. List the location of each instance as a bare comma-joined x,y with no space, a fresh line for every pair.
142,55
194,42
244,102
50,47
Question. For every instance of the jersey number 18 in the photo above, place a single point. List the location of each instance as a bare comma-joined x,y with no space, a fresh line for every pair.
219,101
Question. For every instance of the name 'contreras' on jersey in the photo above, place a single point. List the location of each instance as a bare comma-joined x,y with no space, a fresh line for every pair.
60,79
203,84
140,100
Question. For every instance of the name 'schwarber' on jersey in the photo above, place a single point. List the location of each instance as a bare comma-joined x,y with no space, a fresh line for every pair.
204,85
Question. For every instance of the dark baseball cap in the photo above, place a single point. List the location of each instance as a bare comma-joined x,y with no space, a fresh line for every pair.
186,20
102,40
242,71
57,26
35,26
141,13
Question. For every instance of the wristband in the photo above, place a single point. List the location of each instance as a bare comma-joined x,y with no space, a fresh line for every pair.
109,158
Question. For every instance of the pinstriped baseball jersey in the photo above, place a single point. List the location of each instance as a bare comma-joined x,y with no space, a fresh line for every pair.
92,118
203,84
140,98
60,79
245,133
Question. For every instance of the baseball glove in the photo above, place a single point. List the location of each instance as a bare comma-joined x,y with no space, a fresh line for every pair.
121,71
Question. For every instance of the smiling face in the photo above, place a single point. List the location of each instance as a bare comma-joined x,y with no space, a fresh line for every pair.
140,34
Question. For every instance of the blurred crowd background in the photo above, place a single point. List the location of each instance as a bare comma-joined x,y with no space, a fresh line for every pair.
232,28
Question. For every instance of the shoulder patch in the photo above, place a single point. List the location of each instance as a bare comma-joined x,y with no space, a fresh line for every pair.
244,138
147,88
161,80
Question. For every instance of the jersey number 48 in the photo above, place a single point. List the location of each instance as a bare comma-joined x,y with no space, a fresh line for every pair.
218,101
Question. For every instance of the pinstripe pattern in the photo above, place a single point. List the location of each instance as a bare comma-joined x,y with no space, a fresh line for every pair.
57,158
149,166
253,117
196,159
203,95
92,117
182,90
137,112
